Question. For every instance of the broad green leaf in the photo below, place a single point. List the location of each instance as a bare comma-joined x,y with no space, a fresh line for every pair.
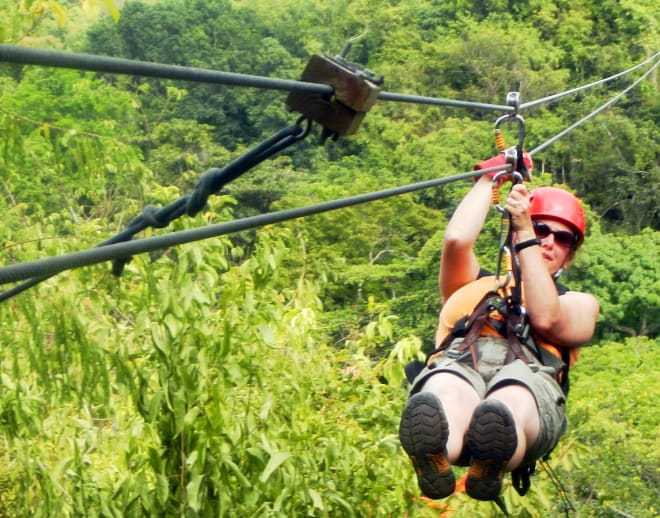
275,461
317,500
194,497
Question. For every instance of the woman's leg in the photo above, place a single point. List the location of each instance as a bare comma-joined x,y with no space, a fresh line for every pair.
503,428
431,430
459,400
522,405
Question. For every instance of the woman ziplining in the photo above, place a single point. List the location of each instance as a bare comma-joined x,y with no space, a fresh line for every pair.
492,395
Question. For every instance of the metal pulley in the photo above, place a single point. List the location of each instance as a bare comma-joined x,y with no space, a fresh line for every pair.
355,92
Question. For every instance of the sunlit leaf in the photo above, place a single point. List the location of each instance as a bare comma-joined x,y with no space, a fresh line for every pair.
275,461
194,497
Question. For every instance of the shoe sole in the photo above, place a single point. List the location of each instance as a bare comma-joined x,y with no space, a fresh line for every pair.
423,433
491,438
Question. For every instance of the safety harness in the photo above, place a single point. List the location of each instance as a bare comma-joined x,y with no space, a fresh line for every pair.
509,320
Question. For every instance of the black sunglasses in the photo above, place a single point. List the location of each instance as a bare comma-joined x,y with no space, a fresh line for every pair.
562,237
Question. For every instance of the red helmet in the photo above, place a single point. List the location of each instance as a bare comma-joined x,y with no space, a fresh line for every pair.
560,205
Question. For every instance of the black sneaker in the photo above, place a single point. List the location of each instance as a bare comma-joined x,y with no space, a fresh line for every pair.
423,433
491,438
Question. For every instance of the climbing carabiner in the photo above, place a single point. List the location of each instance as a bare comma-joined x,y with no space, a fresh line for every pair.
504,254
516,178
520,165
510,117
511,157
513,100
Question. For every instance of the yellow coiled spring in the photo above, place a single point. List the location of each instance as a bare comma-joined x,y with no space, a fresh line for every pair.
499,140
495,195
508,263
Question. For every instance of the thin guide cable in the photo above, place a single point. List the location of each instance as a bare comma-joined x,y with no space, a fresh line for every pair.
594,113
587,86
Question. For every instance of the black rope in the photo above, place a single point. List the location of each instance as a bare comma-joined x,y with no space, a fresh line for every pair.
567,504
213,180
500,503
54,265
209,183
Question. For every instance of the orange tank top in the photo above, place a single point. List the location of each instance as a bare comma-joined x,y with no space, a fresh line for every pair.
461,303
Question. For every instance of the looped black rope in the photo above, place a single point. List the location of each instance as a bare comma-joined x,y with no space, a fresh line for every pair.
153,218
209,183
214,179
206,186
150,217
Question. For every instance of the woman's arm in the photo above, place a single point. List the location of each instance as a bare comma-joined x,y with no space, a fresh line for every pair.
459,264
569,320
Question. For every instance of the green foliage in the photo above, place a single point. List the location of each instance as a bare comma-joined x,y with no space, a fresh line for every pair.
262,373
619,180
200,384
69,143
212,35
180,149
621,271
612,417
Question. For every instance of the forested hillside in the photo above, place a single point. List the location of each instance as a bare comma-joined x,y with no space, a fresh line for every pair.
260,373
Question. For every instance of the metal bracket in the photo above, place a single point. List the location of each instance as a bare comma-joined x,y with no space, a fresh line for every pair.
355,92
513,99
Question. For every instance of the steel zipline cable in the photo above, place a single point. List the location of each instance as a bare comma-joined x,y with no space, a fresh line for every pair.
95,63
554,97
53,265
40,270
58,59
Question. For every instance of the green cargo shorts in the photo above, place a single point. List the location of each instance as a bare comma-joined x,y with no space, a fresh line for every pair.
493,373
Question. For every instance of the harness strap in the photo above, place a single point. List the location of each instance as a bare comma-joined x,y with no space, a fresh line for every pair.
520,477
470,340
476,323
510,329
515,351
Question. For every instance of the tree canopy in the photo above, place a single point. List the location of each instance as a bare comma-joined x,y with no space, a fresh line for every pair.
262,372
